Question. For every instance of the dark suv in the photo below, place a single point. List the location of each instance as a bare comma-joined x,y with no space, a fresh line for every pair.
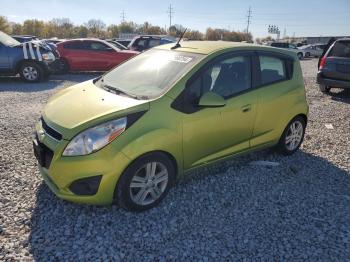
145,42
334,68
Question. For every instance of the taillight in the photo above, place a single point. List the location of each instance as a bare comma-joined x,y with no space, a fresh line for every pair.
322,63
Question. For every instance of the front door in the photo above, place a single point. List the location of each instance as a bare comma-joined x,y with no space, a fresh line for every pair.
212,133
4,58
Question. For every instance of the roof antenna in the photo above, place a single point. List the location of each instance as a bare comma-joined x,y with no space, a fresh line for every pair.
178,42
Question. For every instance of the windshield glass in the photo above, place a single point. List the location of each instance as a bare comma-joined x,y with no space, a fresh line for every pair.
151,73
8,40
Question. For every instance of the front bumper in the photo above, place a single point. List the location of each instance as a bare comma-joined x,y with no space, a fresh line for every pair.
62,172
332,82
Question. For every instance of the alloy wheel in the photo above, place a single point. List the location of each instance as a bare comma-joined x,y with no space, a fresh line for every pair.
294,135
149,183
30,73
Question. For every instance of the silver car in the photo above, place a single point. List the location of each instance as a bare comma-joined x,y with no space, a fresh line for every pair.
313,50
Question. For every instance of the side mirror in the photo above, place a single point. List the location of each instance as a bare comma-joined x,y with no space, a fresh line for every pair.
211,99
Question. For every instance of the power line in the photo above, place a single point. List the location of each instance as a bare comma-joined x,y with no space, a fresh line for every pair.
122,16
249,17
171,14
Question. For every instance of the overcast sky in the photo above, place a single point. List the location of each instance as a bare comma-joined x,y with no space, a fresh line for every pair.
299,17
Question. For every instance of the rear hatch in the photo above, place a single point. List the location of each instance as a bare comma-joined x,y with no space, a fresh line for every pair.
337,65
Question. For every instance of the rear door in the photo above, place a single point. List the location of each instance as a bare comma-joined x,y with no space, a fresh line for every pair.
338,61
74,52
276,93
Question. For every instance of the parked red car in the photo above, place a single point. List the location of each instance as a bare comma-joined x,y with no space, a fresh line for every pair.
90,55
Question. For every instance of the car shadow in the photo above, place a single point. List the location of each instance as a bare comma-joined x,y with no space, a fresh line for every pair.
15,84
231,210
342,96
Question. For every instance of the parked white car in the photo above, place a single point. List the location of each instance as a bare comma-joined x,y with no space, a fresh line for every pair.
313,50
300,53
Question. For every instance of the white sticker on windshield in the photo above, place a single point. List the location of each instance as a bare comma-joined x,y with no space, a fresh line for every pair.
181,59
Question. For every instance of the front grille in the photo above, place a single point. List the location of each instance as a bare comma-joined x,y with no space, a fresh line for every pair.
50,131
42,153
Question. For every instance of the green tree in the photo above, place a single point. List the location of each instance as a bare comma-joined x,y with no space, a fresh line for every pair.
113,31
80,31
193,35
34,27
127,28
17,29
4,25
96,28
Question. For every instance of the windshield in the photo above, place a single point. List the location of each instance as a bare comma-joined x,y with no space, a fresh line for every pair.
149,74
8,40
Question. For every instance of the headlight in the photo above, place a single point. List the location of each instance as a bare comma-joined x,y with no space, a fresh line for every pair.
95,138
48,56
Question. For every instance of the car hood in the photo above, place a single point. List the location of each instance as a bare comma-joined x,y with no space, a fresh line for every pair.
84,105
43,46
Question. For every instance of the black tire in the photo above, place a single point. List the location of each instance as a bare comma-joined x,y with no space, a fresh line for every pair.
300,56
324,89
282,146
63,66
124,193
31,72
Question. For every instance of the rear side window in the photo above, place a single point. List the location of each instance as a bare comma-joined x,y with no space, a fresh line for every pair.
341,49
153,42
272,69
97,46
74,45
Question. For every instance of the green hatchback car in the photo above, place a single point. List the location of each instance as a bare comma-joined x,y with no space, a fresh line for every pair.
127,136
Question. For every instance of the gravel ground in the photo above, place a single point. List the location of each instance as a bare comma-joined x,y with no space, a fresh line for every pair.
299,210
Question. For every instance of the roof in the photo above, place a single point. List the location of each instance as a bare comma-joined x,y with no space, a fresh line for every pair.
207,47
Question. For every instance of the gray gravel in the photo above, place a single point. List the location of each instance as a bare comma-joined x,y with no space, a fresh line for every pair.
298,210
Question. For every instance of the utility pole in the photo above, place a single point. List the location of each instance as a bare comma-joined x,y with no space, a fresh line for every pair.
171,13
122,16
249,17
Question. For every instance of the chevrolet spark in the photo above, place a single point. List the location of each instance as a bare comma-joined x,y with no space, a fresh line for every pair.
127,136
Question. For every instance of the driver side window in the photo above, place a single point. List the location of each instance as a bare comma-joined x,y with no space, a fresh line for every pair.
227,78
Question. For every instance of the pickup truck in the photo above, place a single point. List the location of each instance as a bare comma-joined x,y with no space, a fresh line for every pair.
31,60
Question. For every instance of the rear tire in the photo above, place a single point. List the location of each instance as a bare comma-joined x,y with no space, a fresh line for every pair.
324,89
145,182
300,56
31,72
292,136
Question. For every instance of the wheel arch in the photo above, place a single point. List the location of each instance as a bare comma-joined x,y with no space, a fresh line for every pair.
22,61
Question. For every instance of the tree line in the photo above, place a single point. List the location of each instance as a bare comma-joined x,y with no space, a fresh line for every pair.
64,28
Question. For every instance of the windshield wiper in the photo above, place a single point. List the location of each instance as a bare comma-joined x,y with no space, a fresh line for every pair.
118,91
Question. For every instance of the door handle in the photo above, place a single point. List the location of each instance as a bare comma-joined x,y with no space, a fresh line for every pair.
246,108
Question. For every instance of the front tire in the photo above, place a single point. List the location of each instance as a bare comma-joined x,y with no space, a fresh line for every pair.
292,136
31,72
300,56
324,89
145,182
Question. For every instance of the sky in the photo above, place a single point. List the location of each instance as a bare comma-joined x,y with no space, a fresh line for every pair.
294,18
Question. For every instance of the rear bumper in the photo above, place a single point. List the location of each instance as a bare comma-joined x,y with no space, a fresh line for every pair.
332,82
